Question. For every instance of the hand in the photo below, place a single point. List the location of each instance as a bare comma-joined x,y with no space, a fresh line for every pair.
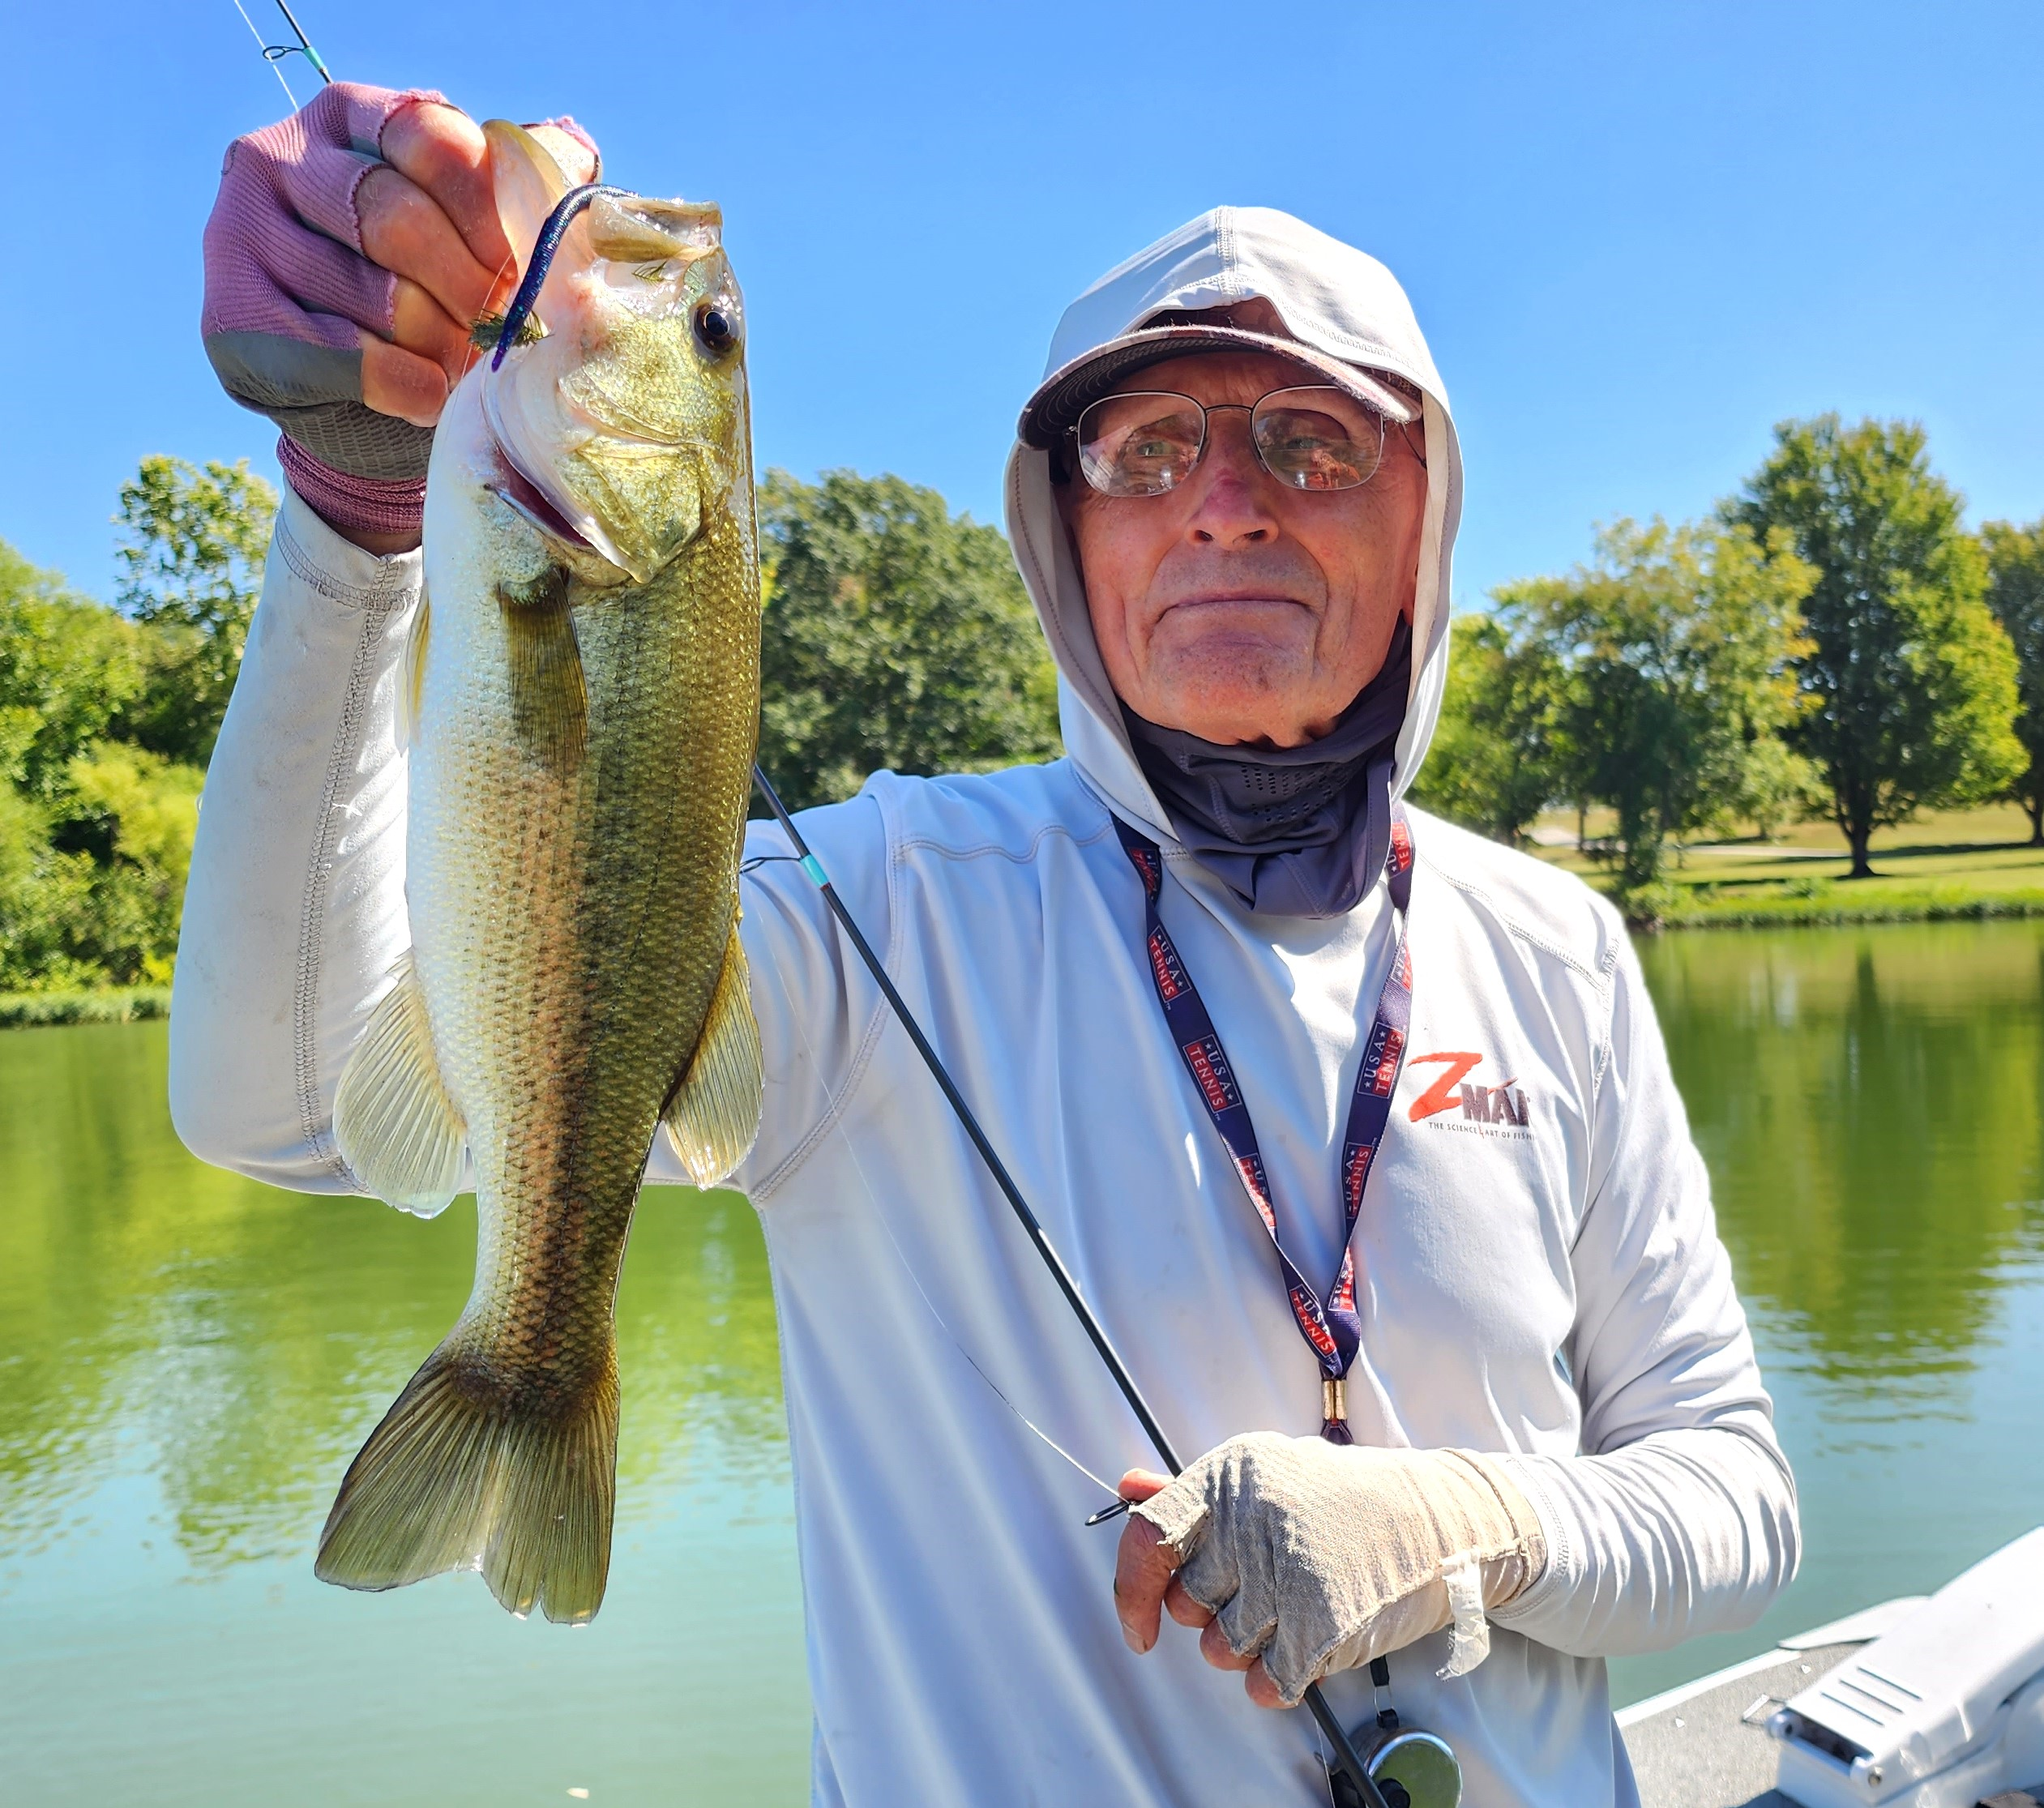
350,248
1297,1558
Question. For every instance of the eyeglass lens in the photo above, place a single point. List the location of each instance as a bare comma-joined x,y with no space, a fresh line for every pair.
1145,443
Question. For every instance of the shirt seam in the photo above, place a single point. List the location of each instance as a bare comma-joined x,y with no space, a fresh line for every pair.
315,1122
1026,857
1574,963
837,1103
1555,1528
861,1063
391,592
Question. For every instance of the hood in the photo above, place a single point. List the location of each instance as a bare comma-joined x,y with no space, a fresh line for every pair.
1332,297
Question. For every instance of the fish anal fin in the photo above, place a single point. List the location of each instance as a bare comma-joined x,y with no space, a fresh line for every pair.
714,1115
397,1129
550,696
458,1477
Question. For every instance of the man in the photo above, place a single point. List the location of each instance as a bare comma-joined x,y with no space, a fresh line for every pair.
1529,1393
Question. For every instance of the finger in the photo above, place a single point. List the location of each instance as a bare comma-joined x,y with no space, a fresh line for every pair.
422,326
1182,1608
1262,1686
401,383
1215,1649
405,233
1140,1485
1143,1566
443,151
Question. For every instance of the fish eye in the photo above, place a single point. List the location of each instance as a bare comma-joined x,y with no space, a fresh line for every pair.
715,329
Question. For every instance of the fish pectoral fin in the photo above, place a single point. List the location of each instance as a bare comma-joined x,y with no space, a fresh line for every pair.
398,1129
549,695
412,689
714,1115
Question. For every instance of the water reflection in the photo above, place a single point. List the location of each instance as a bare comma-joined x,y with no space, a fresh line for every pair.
248,1338
1868,1101
187,1362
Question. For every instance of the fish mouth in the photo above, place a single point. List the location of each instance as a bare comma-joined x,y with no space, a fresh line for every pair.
519,492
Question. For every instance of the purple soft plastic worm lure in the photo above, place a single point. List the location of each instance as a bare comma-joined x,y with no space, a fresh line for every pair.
543,247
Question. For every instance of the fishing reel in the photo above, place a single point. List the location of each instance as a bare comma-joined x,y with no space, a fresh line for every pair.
1411,1768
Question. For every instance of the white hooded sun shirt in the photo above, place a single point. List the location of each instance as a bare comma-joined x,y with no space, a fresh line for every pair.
1538,1270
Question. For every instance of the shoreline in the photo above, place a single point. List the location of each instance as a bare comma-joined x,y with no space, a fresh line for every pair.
1824,904
115,1004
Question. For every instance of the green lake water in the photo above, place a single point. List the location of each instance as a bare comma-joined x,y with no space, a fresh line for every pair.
188,1359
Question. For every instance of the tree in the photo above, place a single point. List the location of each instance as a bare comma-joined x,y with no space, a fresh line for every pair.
94,832
1498,757
1910,682
191,560
68,666
1676,643
2015,594
895,635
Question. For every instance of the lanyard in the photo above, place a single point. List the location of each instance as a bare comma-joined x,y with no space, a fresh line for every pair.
1333,1328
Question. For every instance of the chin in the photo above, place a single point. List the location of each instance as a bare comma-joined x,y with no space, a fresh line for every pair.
1234,715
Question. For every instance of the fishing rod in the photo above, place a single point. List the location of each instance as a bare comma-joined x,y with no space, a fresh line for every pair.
1347,1760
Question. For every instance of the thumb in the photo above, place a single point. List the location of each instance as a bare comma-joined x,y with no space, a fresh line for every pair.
1141,1485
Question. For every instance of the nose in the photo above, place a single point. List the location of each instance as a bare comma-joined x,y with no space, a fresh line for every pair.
1231,506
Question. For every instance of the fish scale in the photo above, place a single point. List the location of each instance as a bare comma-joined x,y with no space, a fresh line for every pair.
586,710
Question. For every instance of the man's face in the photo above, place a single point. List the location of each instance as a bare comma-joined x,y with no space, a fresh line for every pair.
1235,607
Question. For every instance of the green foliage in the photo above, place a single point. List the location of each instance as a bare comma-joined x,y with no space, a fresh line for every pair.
193,543
1499,756
1910,681
68,665
896,634
94,832
2015,594
1677,644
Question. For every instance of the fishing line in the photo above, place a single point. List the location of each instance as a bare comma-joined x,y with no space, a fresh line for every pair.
1346,1758
273,62
880,1212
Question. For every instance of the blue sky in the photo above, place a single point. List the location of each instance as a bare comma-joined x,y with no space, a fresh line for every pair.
1636,235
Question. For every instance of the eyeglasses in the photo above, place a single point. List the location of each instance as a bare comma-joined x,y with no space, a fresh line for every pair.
1147,441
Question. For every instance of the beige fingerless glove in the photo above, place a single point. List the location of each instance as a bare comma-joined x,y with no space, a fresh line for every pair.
1321,1557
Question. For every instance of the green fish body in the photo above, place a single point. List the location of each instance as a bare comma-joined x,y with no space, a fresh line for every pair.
585,697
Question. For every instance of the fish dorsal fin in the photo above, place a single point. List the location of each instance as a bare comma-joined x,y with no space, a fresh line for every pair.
714,1115
398,1129
527,183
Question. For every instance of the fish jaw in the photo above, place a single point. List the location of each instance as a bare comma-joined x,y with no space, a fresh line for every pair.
596,415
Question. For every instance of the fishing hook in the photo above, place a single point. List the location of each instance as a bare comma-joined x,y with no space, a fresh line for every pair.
543,247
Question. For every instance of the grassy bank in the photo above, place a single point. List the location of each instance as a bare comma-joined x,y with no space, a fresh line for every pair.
1945,866
115,1005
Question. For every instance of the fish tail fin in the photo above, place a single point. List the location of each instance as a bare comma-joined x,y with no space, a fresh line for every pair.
458,1477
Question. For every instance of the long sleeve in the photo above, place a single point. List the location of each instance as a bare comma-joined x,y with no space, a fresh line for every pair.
294,913
1679,1516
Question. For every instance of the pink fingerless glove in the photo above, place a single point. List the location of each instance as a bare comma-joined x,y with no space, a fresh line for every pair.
289,291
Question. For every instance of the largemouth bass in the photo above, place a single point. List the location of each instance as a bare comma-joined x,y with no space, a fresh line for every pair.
585,701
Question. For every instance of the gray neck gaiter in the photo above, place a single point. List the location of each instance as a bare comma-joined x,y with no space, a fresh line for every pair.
1293,831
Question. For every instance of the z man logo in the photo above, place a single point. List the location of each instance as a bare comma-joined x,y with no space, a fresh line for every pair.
1502,1104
